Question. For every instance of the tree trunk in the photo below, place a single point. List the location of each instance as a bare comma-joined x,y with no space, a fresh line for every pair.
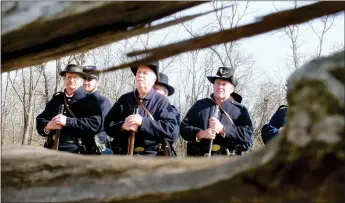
14,134
46,89
32,123
27,121
4,110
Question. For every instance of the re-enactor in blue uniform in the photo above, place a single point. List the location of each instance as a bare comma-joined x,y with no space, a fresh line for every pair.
230,135
149,135
84,106
275,125
163,87
91,84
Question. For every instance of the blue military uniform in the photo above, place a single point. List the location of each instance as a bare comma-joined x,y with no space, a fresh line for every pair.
163,80
237,137
151,133
105,108
86,124
104,143
103,101
277,121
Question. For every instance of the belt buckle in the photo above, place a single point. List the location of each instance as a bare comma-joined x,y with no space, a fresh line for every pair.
139,149
215,147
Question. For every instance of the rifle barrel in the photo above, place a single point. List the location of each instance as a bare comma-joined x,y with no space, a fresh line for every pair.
131,138
215,114
57,135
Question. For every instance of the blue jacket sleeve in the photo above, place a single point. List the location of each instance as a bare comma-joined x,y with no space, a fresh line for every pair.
43,118
113,120
105,107
188,130
270,130
91,123
242,132
165,124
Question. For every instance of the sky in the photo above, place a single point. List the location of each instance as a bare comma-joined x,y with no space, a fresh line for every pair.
270,51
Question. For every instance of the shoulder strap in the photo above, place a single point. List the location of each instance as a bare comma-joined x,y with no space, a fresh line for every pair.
227,115
67,107
145,109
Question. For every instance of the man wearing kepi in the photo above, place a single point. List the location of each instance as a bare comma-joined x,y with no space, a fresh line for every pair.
91,84
163,87
81,118
218,118
154,125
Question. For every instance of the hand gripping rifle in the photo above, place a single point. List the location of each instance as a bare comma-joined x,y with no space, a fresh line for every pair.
57,134
131,138
215,114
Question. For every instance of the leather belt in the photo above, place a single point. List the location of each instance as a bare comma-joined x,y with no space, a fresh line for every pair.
65,139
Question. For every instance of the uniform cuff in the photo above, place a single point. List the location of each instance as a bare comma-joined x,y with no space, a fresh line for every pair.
196,137
46,131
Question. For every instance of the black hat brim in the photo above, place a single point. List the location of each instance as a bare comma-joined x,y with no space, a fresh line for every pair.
152,67
83,75
92,76
214,78
171,90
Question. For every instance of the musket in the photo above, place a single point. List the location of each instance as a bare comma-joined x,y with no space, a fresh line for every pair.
131,138
57,134
215,114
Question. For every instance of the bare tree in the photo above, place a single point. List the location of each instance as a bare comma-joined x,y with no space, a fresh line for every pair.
294,33
327,22
27,98
229,54
4,109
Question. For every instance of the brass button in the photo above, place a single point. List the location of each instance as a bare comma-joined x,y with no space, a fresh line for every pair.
215,147
139,149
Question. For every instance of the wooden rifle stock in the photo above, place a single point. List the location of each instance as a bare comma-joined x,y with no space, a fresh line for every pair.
215,114
131,138
57,134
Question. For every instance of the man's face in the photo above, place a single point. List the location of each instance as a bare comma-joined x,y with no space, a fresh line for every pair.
222,89
145,77
160,89
91,84
73,81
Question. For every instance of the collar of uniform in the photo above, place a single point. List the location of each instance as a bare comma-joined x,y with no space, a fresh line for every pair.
95,92
78,94
68,96
148,95
226,101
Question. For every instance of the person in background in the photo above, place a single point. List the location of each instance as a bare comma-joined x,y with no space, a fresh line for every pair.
163,87
275,126
91,84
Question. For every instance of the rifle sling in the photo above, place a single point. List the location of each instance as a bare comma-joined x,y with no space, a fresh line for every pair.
145,109
227,115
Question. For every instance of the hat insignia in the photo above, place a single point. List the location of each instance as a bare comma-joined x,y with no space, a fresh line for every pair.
223,71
